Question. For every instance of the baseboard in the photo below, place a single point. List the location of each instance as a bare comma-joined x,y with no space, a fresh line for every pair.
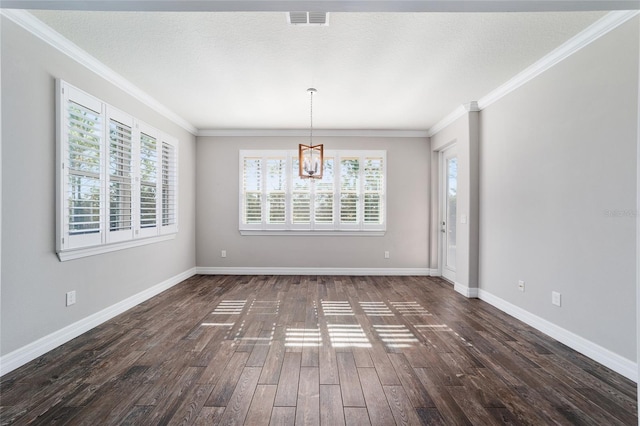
215,270
470,292
25,354
604,356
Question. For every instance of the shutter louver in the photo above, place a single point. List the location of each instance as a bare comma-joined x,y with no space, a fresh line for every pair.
120,177
349,184
148,181
373,190
169,185
252,186
300,198
324,195
84,193
276,186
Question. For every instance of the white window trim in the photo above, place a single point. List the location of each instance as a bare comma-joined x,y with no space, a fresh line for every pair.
106,241
312,229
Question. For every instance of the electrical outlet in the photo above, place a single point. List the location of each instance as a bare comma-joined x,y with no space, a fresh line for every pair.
71,297
556,298
521,285
223,253
386,255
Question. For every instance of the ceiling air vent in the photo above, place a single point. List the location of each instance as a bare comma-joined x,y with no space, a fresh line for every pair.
308,18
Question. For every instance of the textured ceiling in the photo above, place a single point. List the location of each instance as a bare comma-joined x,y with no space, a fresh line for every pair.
250,70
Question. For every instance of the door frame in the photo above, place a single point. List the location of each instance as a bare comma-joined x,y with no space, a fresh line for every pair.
445,153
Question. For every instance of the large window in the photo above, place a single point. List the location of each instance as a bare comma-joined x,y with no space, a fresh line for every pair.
350,196
117,178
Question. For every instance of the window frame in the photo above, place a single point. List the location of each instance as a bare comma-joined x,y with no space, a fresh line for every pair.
359,228
104,239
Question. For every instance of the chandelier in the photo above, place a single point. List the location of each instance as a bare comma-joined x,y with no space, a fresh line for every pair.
310,158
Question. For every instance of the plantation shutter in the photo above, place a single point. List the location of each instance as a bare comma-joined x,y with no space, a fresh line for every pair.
120,172
300,198
349,197
84,195
251,191
349,190
169,187
148,183
276,190
373,190
324,196
116,177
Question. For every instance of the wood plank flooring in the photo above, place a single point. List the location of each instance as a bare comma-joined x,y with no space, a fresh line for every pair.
280,350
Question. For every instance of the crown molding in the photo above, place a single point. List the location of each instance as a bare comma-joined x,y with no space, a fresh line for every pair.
447,120
316,133
57,41
599,28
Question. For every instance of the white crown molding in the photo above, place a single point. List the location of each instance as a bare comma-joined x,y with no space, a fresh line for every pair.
215,270
316,133
27,353
599,28
57,41
446,121
604,356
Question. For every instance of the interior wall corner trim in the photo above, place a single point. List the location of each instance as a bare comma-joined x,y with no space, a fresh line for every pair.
604,356
39,29
31,351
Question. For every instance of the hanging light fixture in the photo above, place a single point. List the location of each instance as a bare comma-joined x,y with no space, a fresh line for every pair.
310,158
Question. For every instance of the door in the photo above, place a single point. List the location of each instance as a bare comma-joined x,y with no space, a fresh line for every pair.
448,203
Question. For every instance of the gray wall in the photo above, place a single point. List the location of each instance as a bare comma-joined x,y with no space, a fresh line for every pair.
557,155
217,205
463,134
34,282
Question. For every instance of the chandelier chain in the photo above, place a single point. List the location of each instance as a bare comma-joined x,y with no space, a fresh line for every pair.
311,121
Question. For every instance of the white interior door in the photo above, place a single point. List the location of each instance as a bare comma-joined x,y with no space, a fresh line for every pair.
448,203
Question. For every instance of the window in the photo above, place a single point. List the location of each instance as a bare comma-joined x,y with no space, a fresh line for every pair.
350,196
117,178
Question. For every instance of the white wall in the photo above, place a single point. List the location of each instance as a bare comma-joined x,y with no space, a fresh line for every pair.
34,281
557,157
217,204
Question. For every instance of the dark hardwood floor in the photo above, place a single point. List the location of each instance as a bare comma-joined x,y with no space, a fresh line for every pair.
315,350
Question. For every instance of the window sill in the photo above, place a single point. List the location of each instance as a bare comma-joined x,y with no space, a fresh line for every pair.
107,248
327,233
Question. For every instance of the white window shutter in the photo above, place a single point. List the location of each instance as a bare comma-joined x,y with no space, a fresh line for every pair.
251,189
349,197
149,181
120,176
169,185
80,146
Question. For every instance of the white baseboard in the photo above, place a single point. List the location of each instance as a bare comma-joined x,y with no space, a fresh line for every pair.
215,270
604,356
25,354
470,292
